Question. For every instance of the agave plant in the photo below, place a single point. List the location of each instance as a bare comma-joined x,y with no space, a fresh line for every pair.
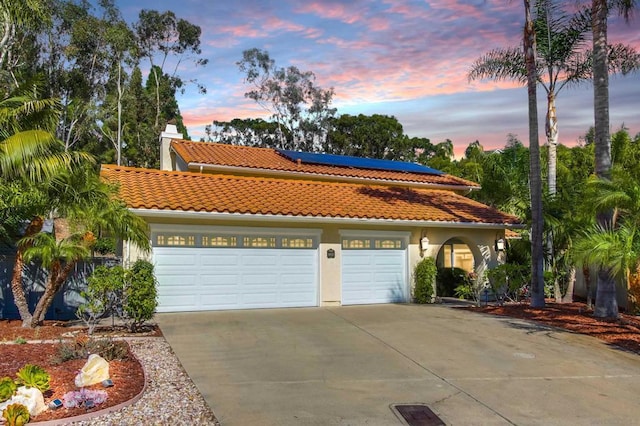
33,376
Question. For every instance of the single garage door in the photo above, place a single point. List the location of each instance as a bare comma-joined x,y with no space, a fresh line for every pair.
200,271
373,270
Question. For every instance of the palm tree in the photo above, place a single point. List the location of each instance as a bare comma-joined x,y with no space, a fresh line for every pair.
90,207
537,255
606,304
29,156
562,61
616,250
59,257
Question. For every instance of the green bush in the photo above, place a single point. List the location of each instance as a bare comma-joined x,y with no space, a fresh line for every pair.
7,388
448,279
140,295
105,245
102,296
424,276
509,279
33,376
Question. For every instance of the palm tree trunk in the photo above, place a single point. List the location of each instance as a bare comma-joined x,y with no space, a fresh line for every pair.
19,296
535,182
586,273
606,302
634,291
552,140
57,277
568,296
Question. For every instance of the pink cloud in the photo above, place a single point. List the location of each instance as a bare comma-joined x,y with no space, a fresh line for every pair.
347,13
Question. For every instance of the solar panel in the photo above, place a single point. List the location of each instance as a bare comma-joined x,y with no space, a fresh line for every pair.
357,162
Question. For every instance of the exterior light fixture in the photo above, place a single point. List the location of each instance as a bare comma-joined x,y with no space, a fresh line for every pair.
424,243
500,244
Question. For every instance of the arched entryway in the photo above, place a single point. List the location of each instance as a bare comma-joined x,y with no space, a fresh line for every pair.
456,260
455,253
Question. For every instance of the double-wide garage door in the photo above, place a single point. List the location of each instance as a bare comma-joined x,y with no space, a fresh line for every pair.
215,270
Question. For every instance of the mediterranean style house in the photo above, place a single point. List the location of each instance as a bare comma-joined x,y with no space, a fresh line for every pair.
235,227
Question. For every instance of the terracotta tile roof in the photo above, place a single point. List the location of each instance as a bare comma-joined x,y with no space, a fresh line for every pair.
188,191
270,159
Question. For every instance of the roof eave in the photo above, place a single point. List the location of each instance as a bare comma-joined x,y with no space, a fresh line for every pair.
182,214
334,178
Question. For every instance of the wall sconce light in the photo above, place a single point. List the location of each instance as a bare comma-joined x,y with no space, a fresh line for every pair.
500,245
424,243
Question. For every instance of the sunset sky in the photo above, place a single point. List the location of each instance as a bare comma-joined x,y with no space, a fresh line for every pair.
404,58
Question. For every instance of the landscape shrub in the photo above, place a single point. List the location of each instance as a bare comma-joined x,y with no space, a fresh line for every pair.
102,296
140,295
130,294
424,277
108,349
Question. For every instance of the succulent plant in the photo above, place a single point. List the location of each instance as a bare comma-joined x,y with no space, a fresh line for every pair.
16,415
7,388
33,376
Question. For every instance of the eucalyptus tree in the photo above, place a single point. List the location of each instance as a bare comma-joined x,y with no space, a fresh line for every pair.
371,136
162,37
17,20
606,303
298,105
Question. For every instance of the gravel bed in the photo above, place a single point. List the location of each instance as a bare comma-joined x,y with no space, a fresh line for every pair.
170,396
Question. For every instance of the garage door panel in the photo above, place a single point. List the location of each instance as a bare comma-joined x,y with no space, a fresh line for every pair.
234,278
219,260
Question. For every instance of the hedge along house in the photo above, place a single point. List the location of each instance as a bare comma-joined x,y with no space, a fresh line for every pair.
235,227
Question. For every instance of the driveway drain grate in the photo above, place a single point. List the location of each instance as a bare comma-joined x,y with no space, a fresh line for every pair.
418,415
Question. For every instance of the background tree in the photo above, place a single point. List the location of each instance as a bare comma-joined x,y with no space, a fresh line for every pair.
18,20
299,107
375,136
160,36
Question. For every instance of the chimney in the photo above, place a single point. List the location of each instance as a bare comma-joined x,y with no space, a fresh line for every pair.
170,132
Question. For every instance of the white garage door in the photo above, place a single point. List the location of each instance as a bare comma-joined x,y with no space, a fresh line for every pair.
199,271
373,270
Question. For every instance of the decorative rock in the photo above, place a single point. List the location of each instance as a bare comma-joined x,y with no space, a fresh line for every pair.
94,371
29,397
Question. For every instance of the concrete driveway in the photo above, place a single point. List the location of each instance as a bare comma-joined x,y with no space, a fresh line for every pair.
348,365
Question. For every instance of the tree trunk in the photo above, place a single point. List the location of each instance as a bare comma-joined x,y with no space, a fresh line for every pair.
586,273
633,291
57,276
552,140
568,296
19,296
606,302
535,182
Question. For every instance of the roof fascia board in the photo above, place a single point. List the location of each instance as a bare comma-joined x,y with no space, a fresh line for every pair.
199,167
181,214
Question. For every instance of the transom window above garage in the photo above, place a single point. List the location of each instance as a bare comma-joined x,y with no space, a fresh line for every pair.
222,240
369,243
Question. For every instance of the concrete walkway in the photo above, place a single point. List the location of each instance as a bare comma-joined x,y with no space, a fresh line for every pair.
347,365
